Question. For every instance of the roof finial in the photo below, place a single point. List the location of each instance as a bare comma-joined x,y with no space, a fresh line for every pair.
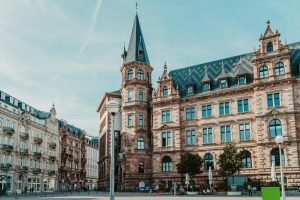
136,7
285,41
165,66
268,21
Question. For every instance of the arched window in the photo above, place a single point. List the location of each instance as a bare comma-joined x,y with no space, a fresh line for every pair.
279,69
141,168
275,128
141,74
165,91
275,157
167,164
130,74
246,159
269,47
141,143
263,72
208,161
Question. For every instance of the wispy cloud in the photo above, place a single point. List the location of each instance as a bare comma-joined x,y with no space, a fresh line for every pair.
91,30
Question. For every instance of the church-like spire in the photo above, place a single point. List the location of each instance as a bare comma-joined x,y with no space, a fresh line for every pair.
137,48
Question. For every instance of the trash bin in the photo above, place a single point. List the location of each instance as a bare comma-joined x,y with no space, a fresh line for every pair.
270,193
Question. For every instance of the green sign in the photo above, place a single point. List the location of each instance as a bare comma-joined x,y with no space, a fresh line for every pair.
270,193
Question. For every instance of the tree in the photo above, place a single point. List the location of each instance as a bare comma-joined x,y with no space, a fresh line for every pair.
189,163
230,161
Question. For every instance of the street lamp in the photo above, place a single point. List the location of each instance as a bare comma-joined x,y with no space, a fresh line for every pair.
279,140
113,108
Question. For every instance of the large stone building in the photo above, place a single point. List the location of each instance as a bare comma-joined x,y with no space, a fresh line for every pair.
29,147
92,159
246,99
72,161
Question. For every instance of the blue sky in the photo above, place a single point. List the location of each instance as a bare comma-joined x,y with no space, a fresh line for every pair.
68,51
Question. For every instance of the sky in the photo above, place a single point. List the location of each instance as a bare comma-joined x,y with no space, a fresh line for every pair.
69,51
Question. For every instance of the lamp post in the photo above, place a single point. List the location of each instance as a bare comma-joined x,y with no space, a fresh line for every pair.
279,140
113,108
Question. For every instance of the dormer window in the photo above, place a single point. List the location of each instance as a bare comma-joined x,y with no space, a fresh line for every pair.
223,83
130,74
206,86
242,80
190,89
141,74
269,47
165,91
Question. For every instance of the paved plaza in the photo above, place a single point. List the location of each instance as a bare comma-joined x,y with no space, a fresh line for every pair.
129,196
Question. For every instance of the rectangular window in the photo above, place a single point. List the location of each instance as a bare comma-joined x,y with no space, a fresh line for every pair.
223,83
141,120
191,137
129,96
3,95
190,89
245,132
224,108
141,95
273,100
205,87
166,116
207,136
130,120
206,111
190,113
225,134
243,105
242,80
166,139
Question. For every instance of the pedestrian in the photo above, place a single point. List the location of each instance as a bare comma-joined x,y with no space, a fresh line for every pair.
249,190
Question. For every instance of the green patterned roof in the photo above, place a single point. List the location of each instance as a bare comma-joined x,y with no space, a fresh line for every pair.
232,67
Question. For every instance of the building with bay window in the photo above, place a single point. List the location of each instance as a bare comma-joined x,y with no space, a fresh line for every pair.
29,142
247,99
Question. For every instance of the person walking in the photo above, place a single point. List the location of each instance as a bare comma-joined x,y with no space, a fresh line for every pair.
250,190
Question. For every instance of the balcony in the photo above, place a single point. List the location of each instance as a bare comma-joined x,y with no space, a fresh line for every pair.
5,166
8,130
38,140
52,145
23,168
37,154
24,136
7,147
52,158
23,152
51,172
36,170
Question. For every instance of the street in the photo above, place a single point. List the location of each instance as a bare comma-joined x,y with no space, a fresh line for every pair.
128,196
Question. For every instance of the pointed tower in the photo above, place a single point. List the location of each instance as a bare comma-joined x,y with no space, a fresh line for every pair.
135,167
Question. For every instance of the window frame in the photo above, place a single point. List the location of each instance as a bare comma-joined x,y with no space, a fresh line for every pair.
190,113
166,116
225,127
244,132
130,120
191,137
140,143
279,69
207,134
165,91
141,75
167,139
263,71
130,74
274,128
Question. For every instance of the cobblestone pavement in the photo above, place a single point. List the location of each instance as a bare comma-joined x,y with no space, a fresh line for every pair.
127,196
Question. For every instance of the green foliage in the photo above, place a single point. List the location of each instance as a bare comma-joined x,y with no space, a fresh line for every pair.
221,186
204,186
230,161
189,163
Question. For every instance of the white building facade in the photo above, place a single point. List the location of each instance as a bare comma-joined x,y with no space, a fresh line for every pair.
29,147
92,156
